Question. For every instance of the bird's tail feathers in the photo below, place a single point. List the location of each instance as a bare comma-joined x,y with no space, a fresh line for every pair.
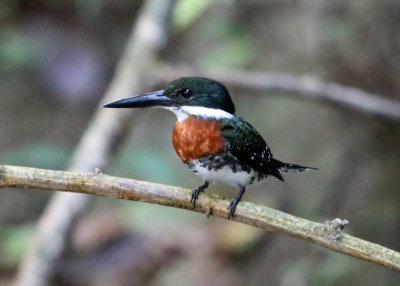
287,167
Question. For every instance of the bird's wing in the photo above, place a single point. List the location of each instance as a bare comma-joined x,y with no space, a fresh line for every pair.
247,145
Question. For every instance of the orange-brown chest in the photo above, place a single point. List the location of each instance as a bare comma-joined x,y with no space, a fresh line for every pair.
194,138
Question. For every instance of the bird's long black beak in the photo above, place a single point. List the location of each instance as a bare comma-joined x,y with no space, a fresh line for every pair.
156,98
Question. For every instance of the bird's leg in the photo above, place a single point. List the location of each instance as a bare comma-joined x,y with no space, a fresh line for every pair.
197,191
235,201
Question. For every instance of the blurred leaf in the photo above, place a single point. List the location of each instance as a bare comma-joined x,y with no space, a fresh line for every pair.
89,9
144,216
187,11
237,238
234,46
333,270
235,53
43,155
7,7
145,163
14,243
17,51
335,28
296,273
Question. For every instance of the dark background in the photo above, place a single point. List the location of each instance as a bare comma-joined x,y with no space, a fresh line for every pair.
56,59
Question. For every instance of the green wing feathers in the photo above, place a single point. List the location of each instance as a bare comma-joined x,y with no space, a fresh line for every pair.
247,145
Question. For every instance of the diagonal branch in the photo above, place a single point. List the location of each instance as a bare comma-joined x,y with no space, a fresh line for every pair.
305,86
327,235
104,131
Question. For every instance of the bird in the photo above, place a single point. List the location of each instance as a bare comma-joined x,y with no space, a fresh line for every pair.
210,138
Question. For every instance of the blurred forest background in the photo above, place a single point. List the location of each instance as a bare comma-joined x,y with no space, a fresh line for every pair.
56,60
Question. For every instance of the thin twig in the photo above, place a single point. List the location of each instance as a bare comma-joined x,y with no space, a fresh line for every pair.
328,235
305,86
106,127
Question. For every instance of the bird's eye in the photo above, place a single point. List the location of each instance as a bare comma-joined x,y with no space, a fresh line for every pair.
186,92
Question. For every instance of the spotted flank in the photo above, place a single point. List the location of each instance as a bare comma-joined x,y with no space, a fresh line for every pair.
226,169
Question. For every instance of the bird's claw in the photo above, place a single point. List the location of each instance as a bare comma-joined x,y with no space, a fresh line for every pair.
195,195
234,202
232,208
197,191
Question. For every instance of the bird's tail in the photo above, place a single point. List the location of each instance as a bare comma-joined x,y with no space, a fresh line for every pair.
286,167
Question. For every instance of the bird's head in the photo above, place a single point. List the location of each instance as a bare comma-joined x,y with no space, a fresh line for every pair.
193,95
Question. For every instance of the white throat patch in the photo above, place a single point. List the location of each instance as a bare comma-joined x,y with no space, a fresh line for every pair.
203,112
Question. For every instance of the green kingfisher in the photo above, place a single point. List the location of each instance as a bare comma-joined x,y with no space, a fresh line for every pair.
209,138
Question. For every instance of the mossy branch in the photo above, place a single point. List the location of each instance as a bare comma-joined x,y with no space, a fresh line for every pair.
328,235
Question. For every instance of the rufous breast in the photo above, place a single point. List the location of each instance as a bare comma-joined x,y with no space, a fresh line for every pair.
194,138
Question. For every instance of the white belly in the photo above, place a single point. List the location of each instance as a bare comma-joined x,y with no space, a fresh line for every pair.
225,175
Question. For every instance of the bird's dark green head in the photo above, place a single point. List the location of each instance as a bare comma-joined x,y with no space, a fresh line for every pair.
186,91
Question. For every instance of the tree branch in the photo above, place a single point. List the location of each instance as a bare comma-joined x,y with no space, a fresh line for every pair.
305,86
327,235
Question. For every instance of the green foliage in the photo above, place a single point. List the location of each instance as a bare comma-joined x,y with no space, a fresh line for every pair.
144,163
334,28
138,215
17,51
14,241
330,270
187,11
38,154
89,9
333,271
234,46
7,8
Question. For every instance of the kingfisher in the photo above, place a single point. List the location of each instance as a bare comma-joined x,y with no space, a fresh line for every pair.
209,138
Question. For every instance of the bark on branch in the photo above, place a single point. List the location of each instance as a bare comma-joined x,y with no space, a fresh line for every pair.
328,235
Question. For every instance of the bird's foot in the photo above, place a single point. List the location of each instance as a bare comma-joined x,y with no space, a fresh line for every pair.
195,195
232,207
234,202
197,191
